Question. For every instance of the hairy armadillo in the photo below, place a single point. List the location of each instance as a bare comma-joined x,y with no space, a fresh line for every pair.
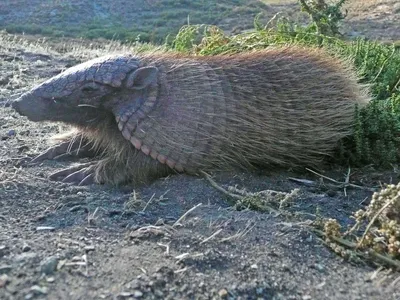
152,114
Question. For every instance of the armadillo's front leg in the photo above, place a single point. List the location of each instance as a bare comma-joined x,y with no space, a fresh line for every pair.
136,168
75,145
87,173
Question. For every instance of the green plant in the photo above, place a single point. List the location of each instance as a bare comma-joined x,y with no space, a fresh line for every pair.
325,17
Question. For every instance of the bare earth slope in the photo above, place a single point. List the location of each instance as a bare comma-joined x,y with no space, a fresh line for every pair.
374,19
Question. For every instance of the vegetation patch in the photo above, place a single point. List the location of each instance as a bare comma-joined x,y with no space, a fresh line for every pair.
376,233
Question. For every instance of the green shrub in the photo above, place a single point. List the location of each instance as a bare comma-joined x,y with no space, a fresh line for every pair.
325,18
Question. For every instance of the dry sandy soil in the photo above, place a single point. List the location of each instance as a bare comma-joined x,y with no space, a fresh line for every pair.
374,19
59,241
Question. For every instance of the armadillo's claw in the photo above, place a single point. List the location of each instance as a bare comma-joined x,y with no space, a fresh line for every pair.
80,177
82,174
50,153
88,180
69,148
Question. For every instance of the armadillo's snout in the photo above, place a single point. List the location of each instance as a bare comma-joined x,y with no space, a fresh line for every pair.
29,106
16,106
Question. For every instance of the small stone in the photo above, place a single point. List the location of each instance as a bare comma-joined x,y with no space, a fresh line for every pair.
50,279
3,250
38,290
4,269
223,293
285,268
26,248
254,266
183,288
89,248
23,148
49,266
137,294
4,279
159,293
76,259
124,295
29,296
273,253
320,286
319,267
331,193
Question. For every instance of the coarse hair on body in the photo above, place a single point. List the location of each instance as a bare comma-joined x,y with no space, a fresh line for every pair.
284,107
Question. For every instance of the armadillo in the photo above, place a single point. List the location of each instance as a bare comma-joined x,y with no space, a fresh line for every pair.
154,114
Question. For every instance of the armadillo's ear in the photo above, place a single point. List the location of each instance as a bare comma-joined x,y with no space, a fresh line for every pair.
142,78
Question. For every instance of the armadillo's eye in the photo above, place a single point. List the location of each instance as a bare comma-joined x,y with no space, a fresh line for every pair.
89,88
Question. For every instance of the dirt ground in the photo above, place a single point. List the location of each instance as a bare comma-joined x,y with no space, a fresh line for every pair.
373,19
59,241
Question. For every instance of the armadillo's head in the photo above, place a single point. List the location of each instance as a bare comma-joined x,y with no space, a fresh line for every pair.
83,94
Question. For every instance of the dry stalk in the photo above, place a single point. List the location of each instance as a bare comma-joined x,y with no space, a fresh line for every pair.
345,184
354,246
387,204
211,236
178,222
239,234
241,195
